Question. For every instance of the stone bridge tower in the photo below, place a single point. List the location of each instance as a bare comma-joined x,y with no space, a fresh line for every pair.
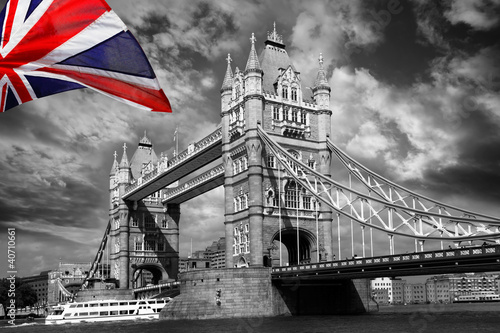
263,205
144,235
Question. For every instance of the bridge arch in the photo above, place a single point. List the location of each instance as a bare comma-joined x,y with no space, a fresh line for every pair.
140,279
306,244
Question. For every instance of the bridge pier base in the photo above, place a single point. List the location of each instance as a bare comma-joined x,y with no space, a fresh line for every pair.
249,292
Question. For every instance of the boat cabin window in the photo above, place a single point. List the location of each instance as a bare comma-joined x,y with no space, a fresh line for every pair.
84,313
113,304
122,312
103,313
133,302
93,313
104,304
80,305
123,303
113,313
93,305
72,306
56,312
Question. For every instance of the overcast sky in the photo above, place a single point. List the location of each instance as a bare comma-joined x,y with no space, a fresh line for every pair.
414,96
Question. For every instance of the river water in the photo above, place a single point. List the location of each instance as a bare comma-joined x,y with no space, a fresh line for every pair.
442,318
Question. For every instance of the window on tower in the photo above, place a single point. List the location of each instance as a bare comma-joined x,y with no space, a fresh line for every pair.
303,117
311,164
294,94
150,245
294,115
292,195
237,91
149,221
276,113
284,92
271,161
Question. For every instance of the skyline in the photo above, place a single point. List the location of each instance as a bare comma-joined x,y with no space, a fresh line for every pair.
414,97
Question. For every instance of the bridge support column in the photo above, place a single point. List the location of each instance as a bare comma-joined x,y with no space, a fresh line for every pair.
255,204
173,215
124,254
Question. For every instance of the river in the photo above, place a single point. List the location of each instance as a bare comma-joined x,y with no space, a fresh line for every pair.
441,318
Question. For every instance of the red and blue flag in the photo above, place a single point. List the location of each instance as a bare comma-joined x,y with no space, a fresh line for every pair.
51,46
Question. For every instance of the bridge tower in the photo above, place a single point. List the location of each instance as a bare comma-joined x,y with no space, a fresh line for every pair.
263,205
144,235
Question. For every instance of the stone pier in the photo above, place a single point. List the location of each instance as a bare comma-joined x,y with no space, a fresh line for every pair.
249,292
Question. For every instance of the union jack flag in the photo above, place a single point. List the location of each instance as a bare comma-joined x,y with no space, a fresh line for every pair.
51,46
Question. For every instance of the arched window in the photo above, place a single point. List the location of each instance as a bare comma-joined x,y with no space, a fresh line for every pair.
294,94
284,92
294,115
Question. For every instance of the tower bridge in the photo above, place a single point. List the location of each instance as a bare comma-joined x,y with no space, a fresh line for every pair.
275,163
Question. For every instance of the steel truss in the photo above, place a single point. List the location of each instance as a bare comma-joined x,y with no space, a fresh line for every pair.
383,205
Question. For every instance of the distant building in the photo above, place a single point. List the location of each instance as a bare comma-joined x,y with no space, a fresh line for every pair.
414,293
444,288
217,253
213,257
393,287
40,284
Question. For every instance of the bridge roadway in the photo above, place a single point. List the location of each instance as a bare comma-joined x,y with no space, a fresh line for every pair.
457,260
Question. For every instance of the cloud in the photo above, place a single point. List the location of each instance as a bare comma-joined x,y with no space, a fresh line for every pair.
369,142
336,29
479,14
431,24
421,128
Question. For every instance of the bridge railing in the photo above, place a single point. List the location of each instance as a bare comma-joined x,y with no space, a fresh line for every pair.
164,167
449,254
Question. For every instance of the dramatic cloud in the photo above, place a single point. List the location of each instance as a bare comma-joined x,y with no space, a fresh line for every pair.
479,14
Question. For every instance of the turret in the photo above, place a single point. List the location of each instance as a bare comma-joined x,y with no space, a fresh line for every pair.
253,88
321,89
226,90
124,168
113,172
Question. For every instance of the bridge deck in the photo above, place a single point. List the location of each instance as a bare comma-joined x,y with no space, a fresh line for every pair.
460,260
205,151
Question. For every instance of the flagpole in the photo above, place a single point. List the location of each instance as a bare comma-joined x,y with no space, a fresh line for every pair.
177,139
279,207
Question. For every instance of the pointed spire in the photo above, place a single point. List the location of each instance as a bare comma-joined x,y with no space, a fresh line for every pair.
273,36
321,77
124,162
253,60
228,79
115,165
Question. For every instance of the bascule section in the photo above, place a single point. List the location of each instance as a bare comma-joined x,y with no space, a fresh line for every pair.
268,213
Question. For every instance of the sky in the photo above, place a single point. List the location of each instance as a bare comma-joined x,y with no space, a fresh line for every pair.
415,96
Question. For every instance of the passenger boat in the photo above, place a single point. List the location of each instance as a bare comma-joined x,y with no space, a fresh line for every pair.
480,296
106,310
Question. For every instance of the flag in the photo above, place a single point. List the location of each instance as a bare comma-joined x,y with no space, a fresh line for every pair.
51,46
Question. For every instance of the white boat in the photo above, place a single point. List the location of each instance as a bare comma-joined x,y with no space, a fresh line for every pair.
106,310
